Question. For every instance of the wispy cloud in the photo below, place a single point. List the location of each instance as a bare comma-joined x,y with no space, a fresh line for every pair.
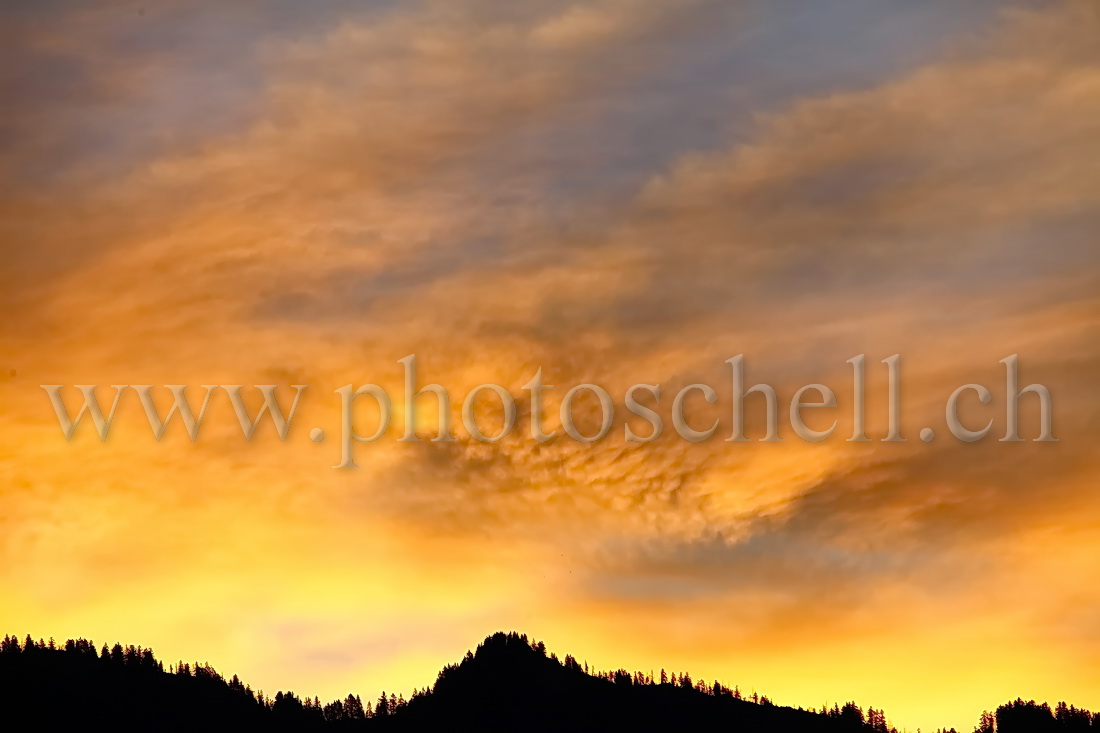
614,191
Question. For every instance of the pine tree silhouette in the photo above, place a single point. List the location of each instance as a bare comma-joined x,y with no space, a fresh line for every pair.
507,683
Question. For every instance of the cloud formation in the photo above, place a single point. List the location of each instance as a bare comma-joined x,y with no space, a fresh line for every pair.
602,190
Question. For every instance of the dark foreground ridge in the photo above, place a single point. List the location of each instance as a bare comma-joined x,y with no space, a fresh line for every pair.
507,684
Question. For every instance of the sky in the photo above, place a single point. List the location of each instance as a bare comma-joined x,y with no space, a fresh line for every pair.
614,192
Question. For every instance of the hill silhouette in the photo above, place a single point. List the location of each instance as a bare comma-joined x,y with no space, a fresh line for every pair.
510,684
507,684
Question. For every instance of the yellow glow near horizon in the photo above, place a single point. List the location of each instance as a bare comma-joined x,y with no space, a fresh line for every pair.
503,192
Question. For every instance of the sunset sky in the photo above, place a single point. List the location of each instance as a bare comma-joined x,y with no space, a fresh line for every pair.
616,192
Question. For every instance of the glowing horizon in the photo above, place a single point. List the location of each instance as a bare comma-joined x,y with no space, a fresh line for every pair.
614,192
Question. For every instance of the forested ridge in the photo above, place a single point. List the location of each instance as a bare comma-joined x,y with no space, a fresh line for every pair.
508,683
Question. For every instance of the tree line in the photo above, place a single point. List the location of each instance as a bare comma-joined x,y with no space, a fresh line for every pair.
507,682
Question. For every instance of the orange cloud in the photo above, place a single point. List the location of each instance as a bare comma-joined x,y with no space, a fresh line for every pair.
401,183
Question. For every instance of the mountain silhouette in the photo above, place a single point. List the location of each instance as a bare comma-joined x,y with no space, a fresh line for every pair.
507,684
